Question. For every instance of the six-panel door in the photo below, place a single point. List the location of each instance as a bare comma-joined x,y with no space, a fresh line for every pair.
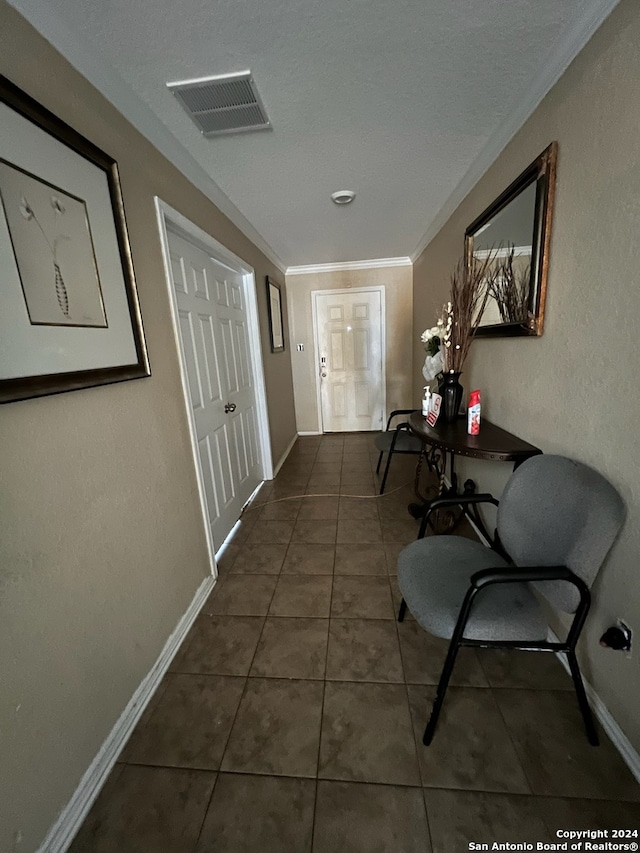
349,330
213,330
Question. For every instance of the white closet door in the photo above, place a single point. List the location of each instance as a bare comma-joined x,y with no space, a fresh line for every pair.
213,331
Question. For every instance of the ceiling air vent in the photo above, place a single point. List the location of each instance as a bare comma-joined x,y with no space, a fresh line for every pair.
226,104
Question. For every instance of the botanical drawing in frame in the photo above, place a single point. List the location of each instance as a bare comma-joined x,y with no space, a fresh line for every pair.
53,249
70,317
276,328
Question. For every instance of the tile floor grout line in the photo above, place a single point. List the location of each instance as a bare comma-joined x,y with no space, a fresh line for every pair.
426,814
511,739
416,745
178,767
324,693
419,787
490,791
286,553
204,769
206,812
244,690
406,681
525,796
315,801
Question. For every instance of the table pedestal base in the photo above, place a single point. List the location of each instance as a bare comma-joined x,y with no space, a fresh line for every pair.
445,520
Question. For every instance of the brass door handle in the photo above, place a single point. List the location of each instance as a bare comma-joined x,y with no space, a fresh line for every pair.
229,407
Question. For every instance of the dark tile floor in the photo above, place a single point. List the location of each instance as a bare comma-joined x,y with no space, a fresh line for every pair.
291,718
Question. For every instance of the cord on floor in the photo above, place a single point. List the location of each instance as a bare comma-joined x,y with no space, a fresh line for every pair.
328,495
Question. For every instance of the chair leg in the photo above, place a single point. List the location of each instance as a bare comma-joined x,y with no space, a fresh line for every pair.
402,611
386,471
379,462
585,710
447,669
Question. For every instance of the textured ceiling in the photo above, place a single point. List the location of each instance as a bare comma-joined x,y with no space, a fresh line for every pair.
395,100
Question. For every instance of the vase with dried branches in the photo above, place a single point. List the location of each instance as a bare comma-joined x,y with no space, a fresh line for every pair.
471,285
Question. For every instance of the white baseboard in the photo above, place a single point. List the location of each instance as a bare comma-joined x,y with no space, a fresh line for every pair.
311,432
283,458
616,735
68,823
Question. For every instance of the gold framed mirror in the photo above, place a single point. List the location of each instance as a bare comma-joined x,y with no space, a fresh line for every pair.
515,230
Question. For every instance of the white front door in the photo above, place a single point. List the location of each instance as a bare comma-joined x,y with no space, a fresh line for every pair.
213,330
350,352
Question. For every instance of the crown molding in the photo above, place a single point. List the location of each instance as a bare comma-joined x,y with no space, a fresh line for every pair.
374,263
87,59
556,64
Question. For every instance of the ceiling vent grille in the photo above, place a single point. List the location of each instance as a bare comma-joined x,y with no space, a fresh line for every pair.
226,104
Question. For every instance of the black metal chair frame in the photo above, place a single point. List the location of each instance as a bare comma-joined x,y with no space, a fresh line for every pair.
403,427
514,574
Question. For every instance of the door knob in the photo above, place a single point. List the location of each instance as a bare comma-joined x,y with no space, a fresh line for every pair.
229,407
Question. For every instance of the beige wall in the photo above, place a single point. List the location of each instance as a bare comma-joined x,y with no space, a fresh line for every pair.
398,299
102,544
574,390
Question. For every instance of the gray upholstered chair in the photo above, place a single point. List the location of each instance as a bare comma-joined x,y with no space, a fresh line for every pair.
557,519
396,440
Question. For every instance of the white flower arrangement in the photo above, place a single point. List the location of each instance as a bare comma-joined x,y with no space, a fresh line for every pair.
433,363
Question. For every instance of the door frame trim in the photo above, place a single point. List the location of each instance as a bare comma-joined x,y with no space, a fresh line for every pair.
379,288
168,216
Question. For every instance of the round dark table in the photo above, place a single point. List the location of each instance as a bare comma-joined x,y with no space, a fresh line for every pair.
493,442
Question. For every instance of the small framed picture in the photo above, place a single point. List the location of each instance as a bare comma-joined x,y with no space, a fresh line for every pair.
70,316
274,300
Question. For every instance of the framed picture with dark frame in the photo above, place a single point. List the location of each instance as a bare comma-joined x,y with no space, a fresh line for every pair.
276,326
70,315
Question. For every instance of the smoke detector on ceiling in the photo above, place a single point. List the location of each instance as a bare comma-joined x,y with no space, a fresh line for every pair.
343,196
228,103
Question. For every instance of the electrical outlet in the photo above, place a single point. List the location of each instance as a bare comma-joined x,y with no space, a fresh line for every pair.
300,347
628,633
